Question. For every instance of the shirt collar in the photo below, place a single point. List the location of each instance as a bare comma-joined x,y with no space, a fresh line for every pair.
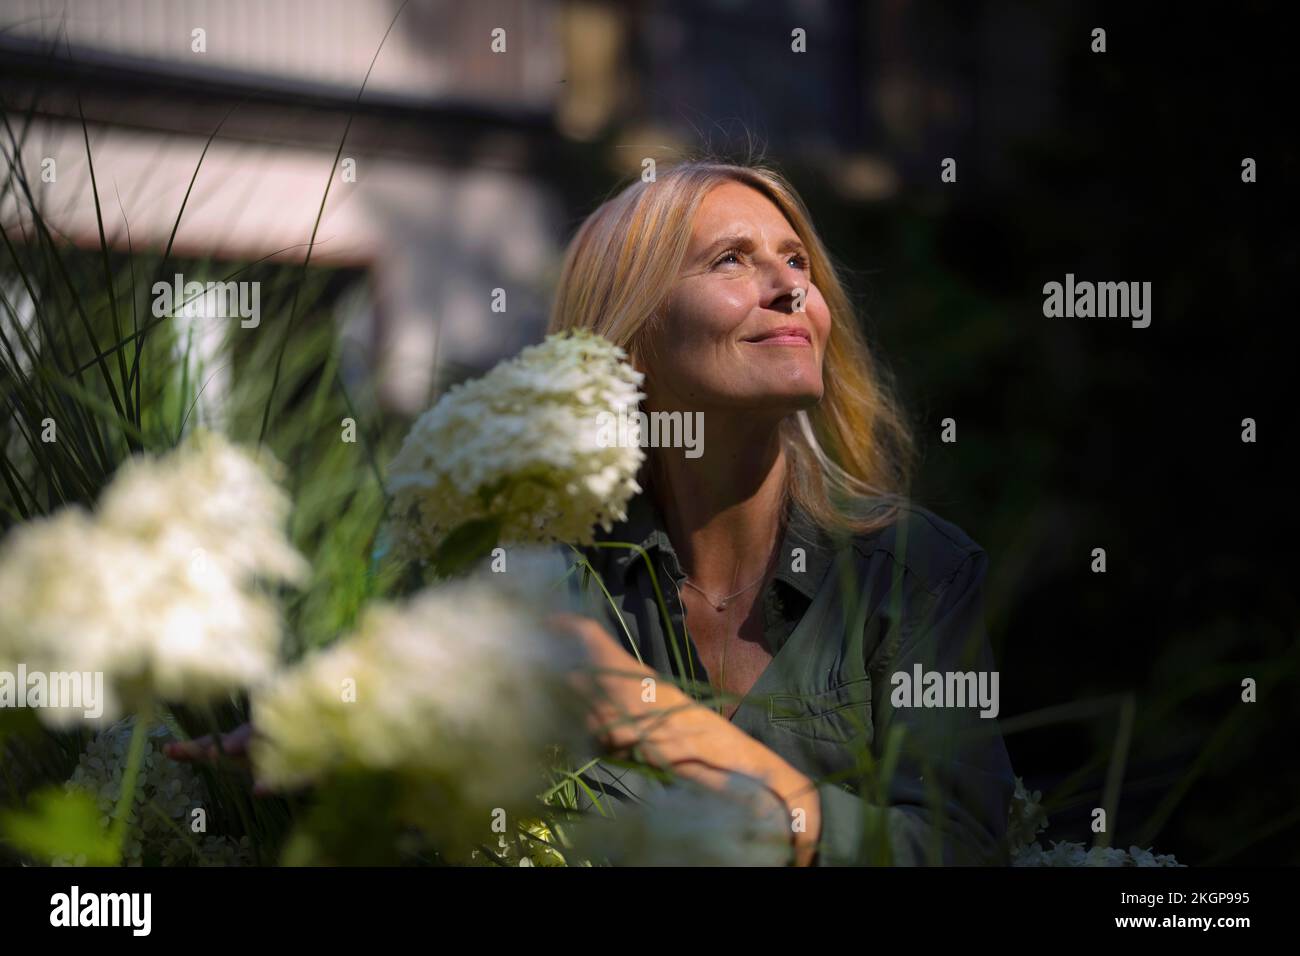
807,550
644,527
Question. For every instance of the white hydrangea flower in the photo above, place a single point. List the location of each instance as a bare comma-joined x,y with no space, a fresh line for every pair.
209,503
1026,817
1069,853
65,592
159,820
533,844
523,444
687,824
460,691
157,590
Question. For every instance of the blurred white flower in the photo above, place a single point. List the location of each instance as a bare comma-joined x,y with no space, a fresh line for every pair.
159,589
208,504
460,691
688,824
522,445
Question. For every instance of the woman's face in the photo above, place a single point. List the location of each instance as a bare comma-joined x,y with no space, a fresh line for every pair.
731,332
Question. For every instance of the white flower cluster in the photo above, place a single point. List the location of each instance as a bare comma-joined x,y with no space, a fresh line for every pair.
1027,819
521,445
158,589
688,824
1074,854
460,691
210,501
533,844
159,823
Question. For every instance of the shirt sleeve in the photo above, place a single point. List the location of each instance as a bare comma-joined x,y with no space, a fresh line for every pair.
947,799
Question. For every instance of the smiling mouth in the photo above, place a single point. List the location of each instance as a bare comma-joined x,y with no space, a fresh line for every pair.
785,335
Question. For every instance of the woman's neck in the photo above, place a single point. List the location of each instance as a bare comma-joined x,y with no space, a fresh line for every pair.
724,509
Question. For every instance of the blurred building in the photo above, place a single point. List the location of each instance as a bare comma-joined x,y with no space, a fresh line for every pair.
484,132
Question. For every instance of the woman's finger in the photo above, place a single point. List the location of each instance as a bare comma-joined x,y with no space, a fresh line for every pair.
188,749
234,744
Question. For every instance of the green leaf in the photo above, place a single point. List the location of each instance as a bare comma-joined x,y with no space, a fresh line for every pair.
60,823
466,545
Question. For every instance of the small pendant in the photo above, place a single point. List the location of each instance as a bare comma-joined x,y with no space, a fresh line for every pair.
722,605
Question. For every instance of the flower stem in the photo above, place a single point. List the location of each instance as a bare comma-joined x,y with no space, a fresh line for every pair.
134,757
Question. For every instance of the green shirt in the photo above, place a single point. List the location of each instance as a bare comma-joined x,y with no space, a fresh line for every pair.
898,783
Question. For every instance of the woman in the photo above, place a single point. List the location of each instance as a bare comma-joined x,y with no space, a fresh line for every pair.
804,580
778,577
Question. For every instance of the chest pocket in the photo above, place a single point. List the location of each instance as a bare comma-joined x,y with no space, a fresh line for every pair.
840,716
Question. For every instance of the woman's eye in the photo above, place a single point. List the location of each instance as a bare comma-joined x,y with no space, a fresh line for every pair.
798,260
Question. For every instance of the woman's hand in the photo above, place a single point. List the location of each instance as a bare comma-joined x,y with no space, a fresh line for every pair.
611,685
672,731
233,746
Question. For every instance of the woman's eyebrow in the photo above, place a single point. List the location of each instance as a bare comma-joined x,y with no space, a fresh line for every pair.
724,242
741,241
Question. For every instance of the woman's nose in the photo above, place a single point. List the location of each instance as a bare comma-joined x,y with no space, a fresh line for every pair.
784,286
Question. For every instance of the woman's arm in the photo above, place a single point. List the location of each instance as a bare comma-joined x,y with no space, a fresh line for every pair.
674,732
947,796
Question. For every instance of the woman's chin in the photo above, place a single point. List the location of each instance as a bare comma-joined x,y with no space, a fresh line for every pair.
797,391
779,403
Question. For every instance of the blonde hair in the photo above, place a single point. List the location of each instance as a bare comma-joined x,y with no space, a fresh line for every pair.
625,258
